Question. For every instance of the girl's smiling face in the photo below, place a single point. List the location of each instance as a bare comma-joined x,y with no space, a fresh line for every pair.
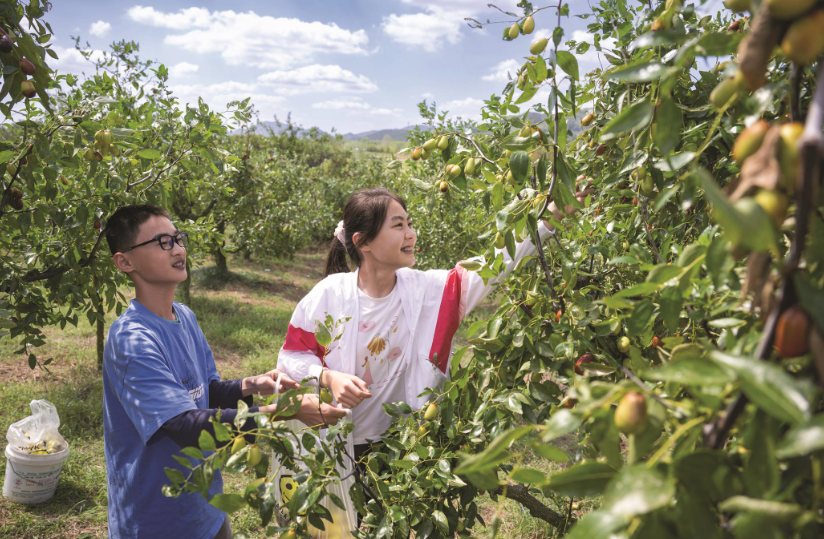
394,245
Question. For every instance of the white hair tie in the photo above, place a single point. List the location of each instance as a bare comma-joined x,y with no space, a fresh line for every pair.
340,234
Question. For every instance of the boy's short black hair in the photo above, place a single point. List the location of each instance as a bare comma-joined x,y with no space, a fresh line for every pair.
124,224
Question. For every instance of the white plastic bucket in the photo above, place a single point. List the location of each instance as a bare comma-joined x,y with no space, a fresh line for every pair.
32,478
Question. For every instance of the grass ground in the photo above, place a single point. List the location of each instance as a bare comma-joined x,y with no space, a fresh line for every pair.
244,320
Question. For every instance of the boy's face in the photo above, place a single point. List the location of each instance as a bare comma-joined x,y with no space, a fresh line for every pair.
150,264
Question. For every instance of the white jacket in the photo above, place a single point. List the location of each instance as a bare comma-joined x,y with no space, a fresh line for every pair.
434,303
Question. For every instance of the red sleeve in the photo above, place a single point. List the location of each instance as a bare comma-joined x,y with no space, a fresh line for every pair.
300,340
449,318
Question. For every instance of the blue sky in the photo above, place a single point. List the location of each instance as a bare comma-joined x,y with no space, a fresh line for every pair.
352,65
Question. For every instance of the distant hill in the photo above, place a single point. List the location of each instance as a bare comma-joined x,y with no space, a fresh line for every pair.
380,134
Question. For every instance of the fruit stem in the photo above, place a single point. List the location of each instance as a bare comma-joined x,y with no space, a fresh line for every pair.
632,451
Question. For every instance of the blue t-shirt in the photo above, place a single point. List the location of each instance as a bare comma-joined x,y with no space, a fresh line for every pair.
153,370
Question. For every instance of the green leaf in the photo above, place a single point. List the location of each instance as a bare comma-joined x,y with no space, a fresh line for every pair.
638,490
322,335
584,479
550,452
228,503
776,510
149,153
640,318
562,422
802,439
768,386
567,61
528,476
643,72
597,525
633,117
626,259
494,454
206,442
667,128
222,433
674,162
441,521
689,371
670,307
519,165
812,299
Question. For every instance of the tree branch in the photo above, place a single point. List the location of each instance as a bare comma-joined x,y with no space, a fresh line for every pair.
520,493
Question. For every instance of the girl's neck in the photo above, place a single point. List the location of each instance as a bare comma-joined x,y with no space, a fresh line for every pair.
376,281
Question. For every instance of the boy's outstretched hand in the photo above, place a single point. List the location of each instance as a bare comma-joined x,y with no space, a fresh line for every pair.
264,384
568,210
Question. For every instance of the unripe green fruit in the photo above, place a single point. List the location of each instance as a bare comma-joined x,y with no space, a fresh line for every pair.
514,31
289,534
460,526
525,131
538,45
804,40
647,185
724,92
788,9
425,153
749,140
254,456
431,412
453,170
529,25
738,6
631,414
469,168
89,154
623,344
325,395
499,241
625,245
510,179
430,144
238,444
788,154
775,203
11,169
422,430
443,142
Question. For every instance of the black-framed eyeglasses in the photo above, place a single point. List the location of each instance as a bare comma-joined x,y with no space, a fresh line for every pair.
166,241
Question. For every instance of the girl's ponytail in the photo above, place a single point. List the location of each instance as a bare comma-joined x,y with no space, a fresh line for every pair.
336,259
364,213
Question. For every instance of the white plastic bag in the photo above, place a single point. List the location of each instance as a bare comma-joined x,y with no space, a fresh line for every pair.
37,433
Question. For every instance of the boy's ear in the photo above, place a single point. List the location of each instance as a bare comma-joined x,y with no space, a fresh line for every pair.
122,263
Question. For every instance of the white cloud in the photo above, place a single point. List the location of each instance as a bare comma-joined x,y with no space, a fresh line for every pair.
71,61
183,69
250,39
100,28
503,71
425,30
428,95
468,108
355,106
317,78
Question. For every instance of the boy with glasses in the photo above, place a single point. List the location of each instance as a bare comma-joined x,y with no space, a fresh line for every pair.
160,387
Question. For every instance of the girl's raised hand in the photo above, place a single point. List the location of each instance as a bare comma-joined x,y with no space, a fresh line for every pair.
348,390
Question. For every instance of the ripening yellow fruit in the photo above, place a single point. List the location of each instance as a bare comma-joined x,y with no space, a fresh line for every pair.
804,40
431,412
525,131
749,140
538,45
631,414
724,92
254,456
587,120
738,6
514,31
443,142
623,344
430,144
529,25
89,154
775,203
788,9
238,444
416,154
788,154
469,168
453,170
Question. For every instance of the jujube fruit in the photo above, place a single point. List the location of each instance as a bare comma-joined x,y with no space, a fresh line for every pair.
775,203
631,414
430,144
416,154
443,142
431,412
6,44
804,40
587,120
538,46
788,9
27,89
749,140
623,344
529,25
26,66
514,31
791,333
254,456
583,360
788,154
443,187
656,341
325,395
469,168
737,6
96,225
601,149
238,444
724,92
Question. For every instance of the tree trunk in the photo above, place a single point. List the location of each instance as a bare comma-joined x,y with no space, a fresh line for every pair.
99,323
220,258
520,493
185,286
